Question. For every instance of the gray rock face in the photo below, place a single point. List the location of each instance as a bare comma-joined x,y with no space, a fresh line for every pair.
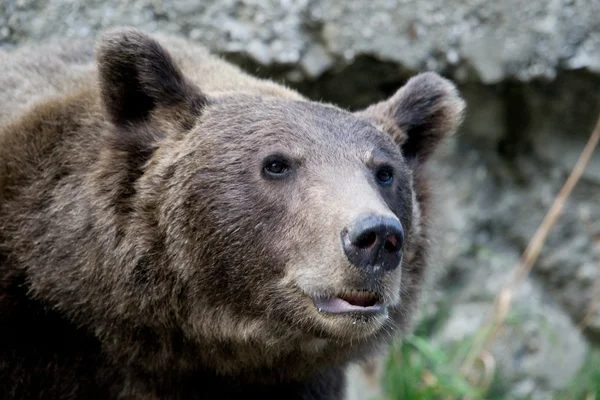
530,72
479,40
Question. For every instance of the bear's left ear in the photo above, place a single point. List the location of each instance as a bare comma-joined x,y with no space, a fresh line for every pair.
424,111
138,75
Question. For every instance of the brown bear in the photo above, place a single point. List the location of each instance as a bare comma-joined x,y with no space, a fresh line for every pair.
173,228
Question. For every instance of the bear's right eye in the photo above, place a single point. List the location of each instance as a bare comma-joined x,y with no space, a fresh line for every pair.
276,168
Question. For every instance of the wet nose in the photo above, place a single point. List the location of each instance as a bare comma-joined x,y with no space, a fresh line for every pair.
374,243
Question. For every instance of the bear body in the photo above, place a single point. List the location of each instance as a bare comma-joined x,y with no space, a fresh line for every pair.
171,227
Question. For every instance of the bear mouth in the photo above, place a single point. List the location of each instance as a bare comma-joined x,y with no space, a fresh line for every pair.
350,301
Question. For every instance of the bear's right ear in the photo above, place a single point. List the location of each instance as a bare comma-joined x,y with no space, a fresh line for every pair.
426,110
138,75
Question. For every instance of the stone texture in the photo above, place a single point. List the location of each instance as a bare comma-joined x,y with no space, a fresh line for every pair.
480,40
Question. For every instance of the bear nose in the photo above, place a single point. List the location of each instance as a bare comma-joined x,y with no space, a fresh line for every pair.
374,242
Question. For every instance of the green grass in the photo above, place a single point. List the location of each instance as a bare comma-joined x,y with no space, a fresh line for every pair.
587,383
419,370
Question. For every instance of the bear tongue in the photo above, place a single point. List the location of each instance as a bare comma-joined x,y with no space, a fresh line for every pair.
336,305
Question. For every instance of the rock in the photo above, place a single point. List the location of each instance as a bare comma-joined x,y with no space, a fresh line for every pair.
586,56
365,380
316,60
486,56
488,37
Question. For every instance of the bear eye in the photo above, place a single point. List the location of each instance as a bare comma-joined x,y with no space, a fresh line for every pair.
384,175
276,167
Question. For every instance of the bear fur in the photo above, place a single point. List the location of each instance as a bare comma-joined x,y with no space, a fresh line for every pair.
146,254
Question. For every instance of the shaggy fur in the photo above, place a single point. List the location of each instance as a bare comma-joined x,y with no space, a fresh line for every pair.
144,251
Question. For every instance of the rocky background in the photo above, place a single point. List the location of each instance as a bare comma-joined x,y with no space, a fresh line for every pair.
530,72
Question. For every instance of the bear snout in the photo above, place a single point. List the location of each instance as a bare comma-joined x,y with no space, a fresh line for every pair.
374,243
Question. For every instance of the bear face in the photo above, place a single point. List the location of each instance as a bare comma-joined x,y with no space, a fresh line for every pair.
245,231
281,196
286,227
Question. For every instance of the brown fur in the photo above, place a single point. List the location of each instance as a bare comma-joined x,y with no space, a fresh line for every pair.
143,254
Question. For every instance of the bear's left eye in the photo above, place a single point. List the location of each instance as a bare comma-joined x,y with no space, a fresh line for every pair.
276,167
384,175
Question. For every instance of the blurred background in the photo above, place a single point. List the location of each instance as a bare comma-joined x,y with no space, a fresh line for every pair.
530,72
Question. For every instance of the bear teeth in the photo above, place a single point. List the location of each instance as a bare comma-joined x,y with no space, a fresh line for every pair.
360,298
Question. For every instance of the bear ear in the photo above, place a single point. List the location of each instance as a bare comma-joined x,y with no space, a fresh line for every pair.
138,75
424,111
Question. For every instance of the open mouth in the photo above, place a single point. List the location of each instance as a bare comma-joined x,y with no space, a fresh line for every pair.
350,301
